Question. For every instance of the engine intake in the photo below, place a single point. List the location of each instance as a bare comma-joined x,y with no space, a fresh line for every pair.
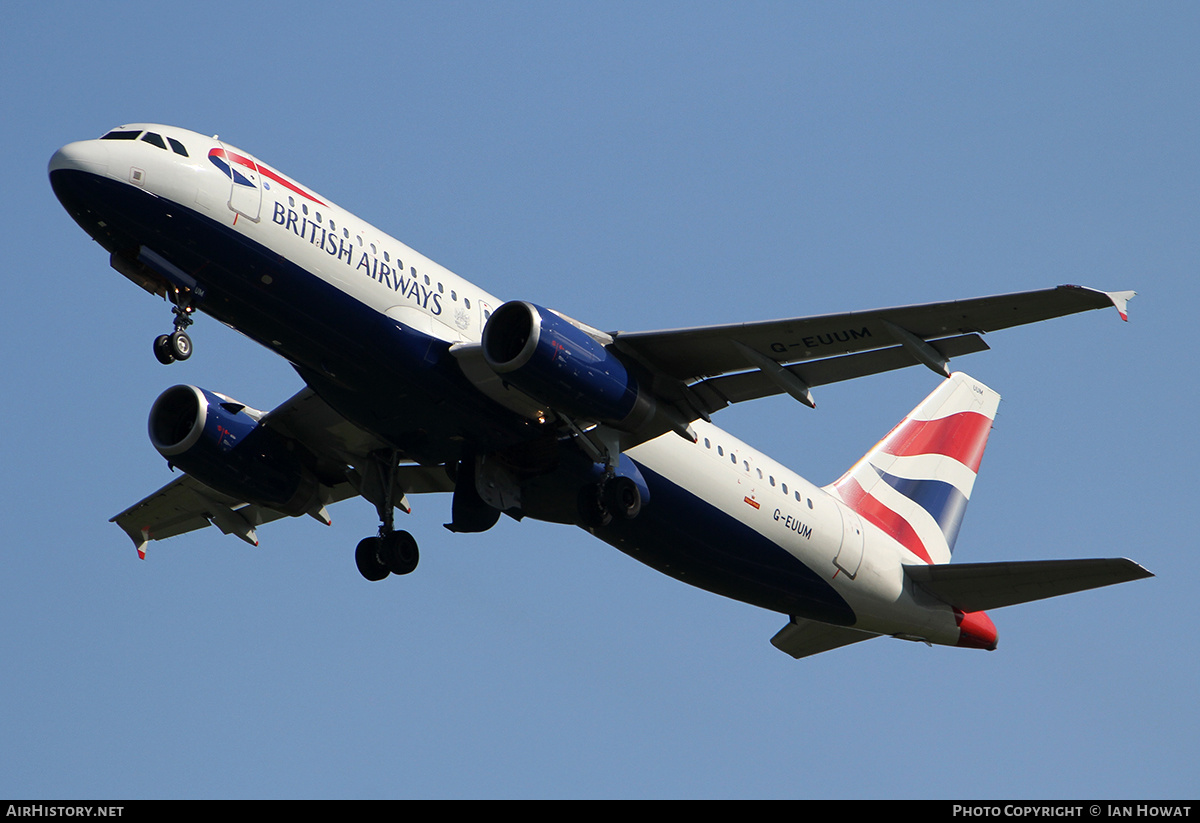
214,439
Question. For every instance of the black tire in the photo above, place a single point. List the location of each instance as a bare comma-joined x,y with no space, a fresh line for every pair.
592,512
162,349
181,345
398,552
623,498
366,557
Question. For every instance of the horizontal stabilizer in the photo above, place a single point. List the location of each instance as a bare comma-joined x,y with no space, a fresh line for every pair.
974,587
802,638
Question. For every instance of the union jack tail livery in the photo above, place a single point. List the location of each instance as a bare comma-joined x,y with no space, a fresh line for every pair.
915,483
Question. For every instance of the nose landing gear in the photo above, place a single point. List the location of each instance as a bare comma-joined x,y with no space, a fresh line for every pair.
171,347
177,345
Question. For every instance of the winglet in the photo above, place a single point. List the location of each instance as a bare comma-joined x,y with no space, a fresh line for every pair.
1119,299
141,544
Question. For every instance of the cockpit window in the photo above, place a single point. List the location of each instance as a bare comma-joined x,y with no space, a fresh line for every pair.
150,137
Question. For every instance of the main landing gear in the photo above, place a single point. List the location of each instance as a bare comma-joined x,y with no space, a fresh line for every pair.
392,552
177,345
612,497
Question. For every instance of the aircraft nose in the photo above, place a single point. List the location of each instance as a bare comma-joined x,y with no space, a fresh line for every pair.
84,155
976,630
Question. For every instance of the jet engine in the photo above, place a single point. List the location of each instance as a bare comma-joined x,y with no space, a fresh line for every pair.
221,443
557,362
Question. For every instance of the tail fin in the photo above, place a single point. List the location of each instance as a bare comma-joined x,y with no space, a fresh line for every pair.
916,482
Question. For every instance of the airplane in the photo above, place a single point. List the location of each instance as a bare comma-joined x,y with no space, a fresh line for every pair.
417,381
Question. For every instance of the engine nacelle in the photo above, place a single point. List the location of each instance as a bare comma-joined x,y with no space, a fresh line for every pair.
557,363
214,439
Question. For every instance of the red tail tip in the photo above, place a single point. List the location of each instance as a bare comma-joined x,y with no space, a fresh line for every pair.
976,630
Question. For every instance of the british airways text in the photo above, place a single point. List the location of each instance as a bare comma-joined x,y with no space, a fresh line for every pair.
340,247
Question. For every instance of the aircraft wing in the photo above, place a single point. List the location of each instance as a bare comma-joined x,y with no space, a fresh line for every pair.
342,451
736,362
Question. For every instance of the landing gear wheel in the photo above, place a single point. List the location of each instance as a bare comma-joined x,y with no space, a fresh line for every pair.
398,552
162,349
177,345
366,556
592,511
622,497
181,345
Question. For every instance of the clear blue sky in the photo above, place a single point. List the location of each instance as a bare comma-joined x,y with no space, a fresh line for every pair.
637,166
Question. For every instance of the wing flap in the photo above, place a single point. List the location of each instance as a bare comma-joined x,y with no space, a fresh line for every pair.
718,392
974,587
